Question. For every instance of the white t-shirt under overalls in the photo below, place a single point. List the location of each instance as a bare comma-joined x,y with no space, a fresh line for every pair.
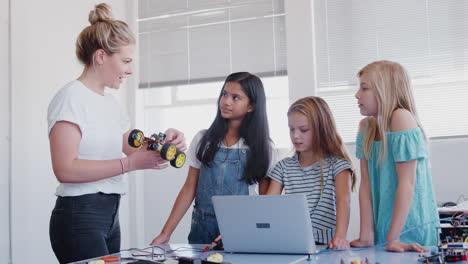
196,163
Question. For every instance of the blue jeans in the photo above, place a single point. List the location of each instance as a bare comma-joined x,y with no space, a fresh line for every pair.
85,226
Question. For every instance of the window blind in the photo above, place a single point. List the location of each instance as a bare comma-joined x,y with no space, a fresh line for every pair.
197,41
428,37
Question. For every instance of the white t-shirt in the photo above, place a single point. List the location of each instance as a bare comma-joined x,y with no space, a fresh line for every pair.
102,122
196,163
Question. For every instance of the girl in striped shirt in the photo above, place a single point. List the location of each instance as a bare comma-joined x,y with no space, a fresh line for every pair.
321,169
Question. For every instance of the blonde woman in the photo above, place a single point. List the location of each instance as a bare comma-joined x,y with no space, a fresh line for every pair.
396,191
88,131
321,169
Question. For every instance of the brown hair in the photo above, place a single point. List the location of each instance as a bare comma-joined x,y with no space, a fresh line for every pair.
104,33
326,140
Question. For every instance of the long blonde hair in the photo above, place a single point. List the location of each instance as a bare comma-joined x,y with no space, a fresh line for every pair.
104,33
392,91
326,140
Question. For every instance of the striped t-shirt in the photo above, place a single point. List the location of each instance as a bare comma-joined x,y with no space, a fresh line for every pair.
298,180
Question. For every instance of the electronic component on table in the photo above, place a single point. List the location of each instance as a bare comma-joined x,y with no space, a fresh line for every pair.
185,260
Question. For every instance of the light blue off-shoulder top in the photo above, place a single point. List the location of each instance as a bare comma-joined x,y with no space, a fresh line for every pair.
402,146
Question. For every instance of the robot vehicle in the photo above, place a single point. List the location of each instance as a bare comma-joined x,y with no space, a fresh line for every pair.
157,142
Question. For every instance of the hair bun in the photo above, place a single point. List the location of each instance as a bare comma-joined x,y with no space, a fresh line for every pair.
101,13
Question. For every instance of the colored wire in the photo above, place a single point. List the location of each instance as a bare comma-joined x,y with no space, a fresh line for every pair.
146,251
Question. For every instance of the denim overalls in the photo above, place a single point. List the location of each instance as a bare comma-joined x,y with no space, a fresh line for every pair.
222,178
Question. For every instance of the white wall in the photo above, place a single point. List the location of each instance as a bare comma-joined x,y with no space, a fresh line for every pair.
4,133
300,45
448,168
160,191
43,60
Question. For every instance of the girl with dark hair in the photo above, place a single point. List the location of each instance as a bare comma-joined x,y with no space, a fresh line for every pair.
232,157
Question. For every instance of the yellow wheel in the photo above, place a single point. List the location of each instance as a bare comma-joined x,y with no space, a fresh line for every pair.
179,160
168,151
136,138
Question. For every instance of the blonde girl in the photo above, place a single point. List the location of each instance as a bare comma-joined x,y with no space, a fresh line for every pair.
396,191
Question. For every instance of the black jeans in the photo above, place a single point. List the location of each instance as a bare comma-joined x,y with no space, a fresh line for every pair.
86,226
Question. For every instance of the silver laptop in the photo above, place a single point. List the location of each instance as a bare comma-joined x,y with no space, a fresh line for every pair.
265,224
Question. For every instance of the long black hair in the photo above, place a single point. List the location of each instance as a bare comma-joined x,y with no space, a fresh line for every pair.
254,130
